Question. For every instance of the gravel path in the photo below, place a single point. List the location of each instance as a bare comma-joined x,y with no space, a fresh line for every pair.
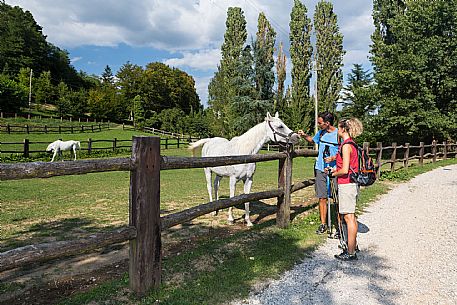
408,241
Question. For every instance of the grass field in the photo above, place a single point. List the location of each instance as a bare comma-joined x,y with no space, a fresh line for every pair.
217,268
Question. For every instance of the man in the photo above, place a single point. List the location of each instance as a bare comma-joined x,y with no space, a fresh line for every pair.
327,140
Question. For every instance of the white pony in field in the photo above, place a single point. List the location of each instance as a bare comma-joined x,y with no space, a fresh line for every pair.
58,146
249,143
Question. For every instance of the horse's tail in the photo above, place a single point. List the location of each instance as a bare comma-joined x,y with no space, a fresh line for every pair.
195,145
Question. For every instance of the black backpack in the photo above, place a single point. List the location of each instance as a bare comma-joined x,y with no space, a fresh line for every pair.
366,174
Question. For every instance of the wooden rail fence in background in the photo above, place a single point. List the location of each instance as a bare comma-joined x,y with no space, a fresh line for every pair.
52,129
24,148
145,224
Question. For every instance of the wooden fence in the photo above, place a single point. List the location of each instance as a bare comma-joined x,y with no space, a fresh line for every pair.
29,116
27,147
52,129
401,155
145,223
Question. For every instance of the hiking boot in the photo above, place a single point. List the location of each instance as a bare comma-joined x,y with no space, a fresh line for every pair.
344,256
337,234
344,248
322,229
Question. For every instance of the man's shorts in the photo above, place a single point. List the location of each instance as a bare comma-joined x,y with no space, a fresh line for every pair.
347,197
321,184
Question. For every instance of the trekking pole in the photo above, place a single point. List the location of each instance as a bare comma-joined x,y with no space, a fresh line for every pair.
342,230
329,191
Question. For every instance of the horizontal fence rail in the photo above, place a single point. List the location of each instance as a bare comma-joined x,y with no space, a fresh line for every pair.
9,129
47,251
146,224
16,171
25,148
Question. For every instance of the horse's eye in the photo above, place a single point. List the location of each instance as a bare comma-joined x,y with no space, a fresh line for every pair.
281,127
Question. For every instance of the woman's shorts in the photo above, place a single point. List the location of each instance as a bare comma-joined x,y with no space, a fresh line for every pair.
347,197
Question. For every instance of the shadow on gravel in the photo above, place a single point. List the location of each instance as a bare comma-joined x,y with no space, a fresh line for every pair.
328,281
362,228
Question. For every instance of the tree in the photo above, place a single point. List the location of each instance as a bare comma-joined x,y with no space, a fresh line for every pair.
246,108
43,88
107,76
138,112
13,95
281,74
263,58
415,68
22,43
222,89
300,114
163,87
63,99
328,56
357,95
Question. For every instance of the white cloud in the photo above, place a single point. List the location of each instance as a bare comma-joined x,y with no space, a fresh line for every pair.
201,85
75,59
191,29
206,59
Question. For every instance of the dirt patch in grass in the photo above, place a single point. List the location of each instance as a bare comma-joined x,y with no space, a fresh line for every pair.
51,282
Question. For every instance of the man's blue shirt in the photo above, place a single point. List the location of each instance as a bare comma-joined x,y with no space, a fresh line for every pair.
328,139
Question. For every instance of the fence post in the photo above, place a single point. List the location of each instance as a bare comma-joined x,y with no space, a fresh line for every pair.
166,143
99,127
27,129
45,128
285,182
82,129
1,114
434,150
89,146
178,141
445,150
114,144
123,127
72,129
406,157
26,148
366,147
378,157
421,153
145,255
60,129
8,128
393,157
92,128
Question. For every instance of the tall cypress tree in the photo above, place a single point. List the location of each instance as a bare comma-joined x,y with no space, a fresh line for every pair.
222,89
281,74
301,110
328,56
263,58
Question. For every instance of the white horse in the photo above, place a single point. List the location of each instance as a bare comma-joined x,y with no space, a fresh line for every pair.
248,143
58,146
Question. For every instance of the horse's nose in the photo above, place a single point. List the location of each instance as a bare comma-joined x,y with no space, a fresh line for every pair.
294,138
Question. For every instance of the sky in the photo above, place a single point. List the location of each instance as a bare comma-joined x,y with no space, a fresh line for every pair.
186,34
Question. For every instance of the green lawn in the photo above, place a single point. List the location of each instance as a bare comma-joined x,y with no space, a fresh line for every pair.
216,269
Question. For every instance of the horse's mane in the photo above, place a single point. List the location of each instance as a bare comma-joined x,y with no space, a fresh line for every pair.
249,142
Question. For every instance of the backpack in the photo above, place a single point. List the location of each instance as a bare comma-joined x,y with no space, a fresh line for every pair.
366,174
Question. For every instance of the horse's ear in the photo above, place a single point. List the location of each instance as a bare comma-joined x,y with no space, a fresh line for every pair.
277,115
268,116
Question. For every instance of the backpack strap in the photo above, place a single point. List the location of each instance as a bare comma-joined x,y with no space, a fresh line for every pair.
356,149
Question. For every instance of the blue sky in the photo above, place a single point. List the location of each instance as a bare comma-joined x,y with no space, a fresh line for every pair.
186,34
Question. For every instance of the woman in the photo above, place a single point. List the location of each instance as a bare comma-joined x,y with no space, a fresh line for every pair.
347,161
